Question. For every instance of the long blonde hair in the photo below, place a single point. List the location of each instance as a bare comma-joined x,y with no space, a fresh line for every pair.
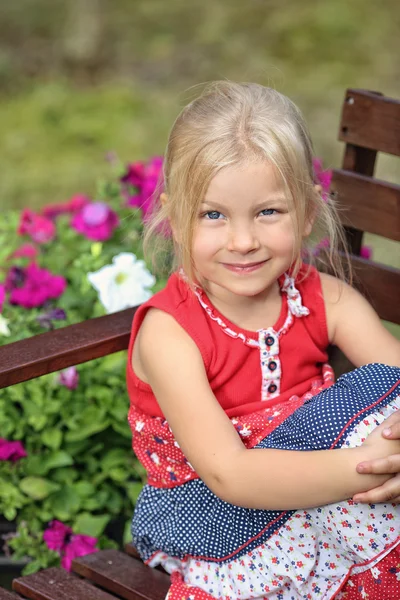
232,124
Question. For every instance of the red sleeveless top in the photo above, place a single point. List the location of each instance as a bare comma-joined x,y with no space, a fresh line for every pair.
250,373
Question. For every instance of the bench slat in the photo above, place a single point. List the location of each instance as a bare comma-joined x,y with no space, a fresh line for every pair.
123,575
6,595
380,284
367,204
372,121
57,584
64,347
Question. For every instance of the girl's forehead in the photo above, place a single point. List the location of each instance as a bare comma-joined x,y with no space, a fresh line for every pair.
253,179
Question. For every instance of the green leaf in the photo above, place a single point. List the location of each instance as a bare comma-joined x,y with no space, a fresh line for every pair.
52,438
81,433
134,488
84,489
65,503
92,525
38,488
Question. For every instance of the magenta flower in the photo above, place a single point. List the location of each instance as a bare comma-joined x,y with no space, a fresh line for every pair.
366,252
61,539
2,295
80,545
95,221
40,229
33,286
11,450
322,178
77,202
56,534
26,251
146,179
322,245
70,378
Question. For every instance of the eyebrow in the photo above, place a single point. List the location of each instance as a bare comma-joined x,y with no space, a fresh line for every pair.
270,201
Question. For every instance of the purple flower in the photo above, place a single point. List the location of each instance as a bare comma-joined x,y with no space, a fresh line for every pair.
322,245
146,179
322,178
55,314
96,221
11,450
61,539
70,378
33,286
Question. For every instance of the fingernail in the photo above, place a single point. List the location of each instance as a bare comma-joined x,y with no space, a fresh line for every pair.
360,467
387,431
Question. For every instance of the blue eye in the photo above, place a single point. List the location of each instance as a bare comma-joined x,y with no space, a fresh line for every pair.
213,215
268,212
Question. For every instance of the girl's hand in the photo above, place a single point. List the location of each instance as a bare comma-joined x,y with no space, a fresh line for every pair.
389,491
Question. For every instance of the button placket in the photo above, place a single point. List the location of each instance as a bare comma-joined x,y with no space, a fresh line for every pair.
268,340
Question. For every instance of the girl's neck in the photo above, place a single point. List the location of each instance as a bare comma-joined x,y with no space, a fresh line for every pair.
250,313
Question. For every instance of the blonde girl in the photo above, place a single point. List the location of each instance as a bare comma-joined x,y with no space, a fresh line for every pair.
234,411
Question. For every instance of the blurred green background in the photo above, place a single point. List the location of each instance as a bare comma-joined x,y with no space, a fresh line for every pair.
81,78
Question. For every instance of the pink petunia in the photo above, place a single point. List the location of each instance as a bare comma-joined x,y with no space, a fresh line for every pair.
56,534
70,378
366,252
323,178
12,451
77,202
96,221
36,287
61,539
2,295
146,179
80,545
26,251
40,229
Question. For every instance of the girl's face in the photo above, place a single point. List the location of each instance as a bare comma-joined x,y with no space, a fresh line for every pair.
244,239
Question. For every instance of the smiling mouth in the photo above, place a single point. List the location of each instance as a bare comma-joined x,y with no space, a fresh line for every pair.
244,267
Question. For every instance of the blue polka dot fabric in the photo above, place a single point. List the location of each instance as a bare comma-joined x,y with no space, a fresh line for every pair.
190,520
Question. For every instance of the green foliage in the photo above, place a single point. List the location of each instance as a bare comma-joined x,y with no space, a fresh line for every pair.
80,467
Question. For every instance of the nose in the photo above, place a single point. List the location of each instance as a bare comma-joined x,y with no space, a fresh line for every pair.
243,239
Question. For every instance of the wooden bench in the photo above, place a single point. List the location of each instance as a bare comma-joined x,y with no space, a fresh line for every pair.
370,123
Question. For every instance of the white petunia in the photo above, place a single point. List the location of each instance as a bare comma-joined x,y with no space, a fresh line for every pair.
4,329
122,284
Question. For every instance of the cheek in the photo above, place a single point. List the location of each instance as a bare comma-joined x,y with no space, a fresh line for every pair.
205,243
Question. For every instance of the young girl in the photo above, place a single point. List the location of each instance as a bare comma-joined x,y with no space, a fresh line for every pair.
233,409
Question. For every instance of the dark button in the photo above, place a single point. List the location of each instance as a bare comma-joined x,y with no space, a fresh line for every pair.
272,388
269,340
272,365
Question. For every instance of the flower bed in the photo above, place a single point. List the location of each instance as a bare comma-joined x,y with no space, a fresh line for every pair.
67,471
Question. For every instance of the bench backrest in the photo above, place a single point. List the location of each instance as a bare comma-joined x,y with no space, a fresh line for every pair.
370,123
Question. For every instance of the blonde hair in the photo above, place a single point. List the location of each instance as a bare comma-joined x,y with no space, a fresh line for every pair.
232,124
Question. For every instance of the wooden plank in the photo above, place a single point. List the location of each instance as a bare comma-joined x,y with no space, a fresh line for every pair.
122,575
380,284
6,595
367,204
57,584
64,347
371,120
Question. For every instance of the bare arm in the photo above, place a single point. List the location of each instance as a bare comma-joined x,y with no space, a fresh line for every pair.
354,326
356,329
269,479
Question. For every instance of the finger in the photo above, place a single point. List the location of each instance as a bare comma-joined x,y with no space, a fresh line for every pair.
388,492
392,430
389,464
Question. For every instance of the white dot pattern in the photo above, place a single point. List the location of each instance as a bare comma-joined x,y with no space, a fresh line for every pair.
234,552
